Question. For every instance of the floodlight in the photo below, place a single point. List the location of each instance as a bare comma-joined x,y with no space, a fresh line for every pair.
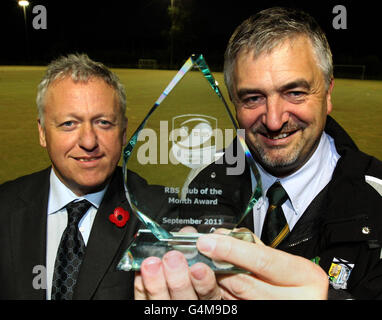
23,3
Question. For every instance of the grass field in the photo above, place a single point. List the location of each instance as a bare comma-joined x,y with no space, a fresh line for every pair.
357,107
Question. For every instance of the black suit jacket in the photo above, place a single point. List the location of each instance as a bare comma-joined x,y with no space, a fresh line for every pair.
23,218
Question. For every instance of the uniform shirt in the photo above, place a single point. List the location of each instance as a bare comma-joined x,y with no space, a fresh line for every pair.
302,186
59,197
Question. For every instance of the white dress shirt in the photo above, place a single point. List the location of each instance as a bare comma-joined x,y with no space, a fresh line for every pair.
302,186
59,197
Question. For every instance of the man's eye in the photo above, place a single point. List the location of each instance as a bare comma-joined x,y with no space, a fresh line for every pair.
296,96
252,101
296,93
67,124
104,123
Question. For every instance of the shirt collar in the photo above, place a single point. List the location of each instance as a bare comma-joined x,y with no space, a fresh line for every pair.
60,195
303,185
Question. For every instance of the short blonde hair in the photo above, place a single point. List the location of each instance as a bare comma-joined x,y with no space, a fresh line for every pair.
80,68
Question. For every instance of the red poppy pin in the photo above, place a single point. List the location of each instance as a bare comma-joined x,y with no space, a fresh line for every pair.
119,217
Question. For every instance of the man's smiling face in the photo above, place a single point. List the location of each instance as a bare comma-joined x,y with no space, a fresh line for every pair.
83,132
281,101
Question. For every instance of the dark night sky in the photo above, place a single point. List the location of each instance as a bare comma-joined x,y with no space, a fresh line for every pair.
120,32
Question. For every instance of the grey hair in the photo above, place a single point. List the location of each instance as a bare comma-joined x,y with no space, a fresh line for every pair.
80,68
265,30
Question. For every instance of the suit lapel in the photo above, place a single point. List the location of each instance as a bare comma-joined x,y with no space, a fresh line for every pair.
28,227
105,240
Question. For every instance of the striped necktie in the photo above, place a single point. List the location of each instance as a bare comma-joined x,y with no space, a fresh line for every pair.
275,226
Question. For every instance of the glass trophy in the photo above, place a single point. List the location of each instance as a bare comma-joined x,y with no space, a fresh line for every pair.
182,168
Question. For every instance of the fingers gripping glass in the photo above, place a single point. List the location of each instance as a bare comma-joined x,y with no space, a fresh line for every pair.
183,167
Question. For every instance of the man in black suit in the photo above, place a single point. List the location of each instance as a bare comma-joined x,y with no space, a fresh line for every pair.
82,125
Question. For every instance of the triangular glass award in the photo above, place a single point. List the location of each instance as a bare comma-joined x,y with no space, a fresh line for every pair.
182,167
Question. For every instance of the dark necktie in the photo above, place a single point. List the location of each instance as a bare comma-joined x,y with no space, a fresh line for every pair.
275,226
70,253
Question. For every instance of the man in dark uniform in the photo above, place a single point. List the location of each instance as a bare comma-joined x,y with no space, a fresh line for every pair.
319,214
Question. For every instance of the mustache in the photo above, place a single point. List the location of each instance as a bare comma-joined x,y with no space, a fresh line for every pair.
287,127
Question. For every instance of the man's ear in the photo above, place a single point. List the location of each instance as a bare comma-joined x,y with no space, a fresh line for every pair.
329,105
41,134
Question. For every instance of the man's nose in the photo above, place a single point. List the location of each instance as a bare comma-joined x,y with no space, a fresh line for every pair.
88,137
275,115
